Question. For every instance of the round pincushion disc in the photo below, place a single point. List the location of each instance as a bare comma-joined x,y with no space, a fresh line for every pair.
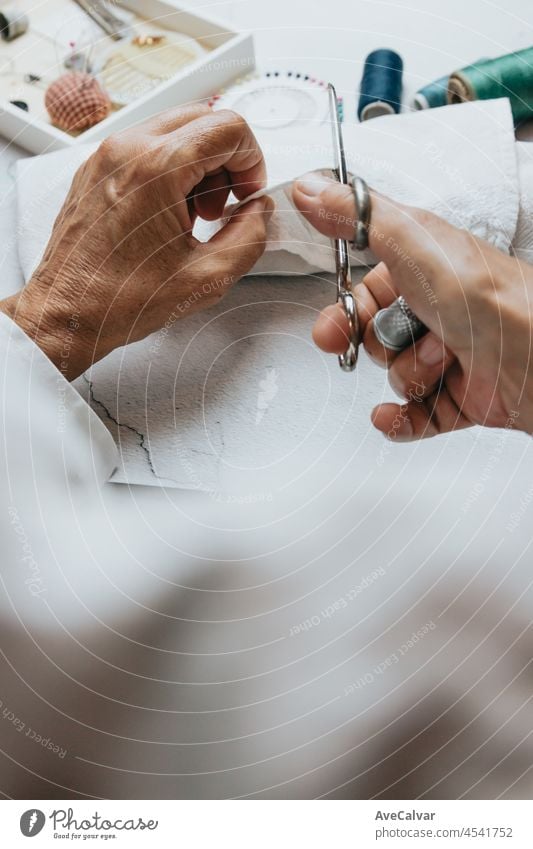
276,100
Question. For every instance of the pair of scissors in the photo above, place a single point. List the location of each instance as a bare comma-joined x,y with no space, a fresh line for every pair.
397,326
348,360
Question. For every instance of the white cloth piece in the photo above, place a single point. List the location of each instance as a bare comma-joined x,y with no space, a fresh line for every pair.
458,161
236,400
523,240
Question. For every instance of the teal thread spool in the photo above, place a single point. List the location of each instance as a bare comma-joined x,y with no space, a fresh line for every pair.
380,91
432,95
507,76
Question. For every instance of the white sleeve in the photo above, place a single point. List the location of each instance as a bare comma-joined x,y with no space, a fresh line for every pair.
48,429
53,448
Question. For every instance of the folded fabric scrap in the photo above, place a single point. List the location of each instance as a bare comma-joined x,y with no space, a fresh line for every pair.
460,161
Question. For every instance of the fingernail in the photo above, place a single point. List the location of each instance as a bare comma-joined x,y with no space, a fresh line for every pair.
402,429
394,422
431,350
311,188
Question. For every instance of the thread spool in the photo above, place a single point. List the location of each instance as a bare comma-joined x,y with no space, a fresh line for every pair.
380,91
432,95
506,76
13,23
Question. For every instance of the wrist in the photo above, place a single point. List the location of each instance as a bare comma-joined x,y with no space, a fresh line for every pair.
55,327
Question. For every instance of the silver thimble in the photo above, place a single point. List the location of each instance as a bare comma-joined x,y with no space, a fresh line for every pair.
397,327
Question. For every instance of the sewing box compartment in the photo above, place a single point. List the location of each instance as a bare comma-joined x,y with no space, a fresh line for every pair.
63,71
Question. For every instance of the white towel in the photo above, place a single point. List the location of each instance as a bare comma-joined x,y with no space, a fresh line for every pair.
236,400
459,162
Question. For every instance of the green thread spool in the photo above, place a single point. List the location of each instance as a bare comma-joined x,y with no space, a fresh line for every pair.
507,76
432,95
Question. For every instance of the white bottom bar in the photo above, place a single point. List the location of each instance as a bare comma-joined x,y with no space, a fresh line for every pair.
267,824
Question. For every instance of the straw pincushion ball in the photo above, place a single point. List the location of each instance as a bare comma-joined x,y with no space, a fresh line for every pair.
76,101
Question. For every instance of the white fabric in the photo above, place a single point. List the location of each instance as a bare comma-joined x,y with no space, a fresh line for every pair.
523,240
237,399
457,161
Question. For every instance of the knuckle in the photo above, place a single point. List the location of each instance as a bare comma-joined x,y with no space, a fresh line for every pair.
185,114
229,116
141,152
111,153
108,149
128,141
223,125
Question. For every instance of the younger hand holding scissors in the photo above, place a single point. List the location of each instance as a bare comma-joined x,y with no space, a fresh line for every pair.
474,364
